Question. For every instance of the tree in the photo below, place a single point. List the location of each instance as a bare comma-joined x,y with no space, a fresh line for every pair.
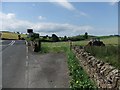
86,35
18,32
34,36
65,38
19,36
55,38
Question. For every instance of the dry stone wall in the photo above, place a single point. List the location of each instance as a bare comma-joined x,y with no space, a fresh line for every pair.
105,75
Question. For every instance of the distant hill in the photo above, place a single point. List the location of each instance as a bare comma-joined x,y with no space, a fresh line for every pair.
10,35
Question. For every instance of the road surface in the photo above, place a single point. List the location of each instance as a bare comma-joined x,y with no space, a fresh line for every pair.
21,68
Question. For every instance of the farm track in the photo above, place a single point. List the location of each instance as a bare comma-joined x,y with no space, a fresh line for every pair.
48,71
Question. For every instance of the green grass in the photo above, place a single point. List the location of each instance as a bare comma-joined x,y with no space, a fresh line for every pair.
111,41
10,35
107,54
107,41
79,78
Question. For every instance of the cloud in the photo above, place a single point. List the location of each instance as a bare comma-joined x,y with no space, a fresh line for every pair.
41,18
67,5
11,23
113,2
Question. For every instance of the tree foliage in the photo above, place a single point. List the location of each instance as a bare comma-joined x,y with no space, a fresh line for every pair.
55,38
86,35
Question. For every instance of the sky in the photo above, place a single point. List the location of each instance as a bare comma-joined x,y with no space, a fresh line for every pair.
60,18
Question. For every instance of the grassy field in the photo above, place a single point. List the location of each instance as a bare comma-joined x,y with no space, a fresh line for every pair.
10,35
107,41
107,54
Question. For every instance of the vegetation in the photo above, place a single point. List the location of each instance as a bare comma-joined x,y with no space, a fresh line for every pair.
86,35
11,35
107,41
34,36
55,38
79,77
108,54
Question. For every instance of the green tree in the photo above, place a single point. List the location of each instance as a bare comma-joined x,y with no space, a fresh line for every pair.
65,38
19,36
86,35
55,38
18,32
34,36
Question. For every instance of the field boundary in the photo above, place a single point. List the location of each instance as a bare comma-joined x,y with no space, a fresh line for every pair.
105,75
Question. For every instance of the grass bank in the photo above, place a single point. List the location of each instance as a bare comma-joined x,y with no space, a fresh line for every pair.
10,35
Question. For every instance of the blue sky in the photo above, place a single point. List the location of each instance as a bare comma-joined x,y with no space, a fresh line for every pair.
68,18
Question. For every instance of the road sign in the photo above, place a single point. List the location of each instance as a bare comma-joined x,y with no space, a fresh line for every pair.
29,30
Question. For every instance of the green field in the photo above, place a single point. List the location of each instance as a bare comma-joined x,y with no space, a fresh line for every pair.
10,35
107,41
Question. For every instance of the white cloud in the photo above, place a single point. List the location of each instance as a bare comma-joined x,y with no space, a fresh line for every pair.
67,5
41,18
113,2
10,15
11,23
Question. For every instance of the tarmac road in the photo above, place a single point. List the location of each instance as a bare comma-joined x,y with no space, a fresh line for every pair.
21,68
13,64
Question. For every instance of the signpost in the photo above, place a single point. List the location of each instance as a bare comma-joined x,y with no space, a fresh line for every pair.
36,43
30,31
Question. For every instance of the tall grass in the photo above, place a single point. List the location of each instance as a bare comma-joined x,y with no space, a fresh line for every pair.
108,54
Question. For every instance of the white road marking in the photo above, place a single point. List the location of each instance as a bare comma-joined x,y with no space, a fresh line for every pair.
11,43
27,50
26,42
26,63
26,76
27,57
